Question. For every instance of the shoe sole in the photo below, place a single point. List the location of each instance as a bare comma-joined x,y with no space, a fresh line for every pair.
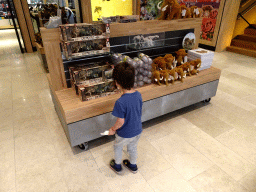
117,172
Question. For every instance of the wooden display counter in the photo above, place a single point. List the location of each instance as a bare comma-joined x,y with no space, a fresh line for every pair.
84,121
79,119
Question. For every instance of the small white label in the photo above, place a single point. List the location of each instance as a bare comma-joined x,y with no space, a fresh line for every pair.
196,11
184,12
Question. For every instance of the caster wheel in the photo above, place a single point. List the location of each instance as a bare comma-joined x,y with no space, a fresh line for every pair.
84,146
207,100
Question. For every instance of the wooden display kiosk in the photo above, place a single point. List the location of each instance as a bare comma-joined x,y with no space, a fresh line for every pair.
84,121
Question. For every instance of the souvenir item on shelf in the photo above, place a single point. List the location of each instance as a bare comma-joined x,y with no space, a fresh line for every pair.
77,49
170,61
204,55
89,92
84,31
170,9
186,69
116,58
180,56
185,12
189,41
90,74
143,65
196,12
194,66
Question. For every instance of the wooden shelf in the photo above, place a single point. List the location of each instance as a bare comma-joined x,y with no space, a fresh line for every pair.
73,109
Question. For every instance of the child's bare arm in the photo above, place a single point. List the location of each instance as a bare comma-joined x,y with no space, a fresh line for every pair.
119,123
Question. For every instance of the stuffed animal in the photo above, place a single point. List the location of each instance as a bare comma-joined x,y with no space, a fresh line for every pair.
180,54
165,75
173,75
194,66
196,12
170,9
169,61
186,69
180,73
157,76
161,63
185,12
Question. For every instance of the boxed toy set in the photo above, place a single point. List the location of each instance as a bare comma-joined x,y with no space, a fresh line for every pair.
84,31
92,80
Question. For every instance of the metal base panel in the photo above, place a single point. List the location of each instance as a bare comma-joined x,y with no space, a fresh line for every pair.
89,129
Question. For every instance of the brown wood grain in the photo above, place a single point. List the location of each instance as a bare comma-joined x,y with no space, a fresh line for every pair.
86,11
40,49
227,24
153,26
23,26
28,21
51,42
76,110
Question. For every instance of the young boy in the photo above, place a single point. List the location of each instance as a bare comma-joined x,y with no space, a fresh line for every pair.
128,110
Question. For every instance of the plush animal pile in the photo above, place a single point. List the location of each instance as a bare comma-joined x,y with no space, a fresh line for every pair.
168,69
171,9
160,70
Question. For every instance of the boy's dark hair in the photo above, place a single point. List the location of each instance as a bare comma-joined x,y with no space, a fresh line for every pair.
124,74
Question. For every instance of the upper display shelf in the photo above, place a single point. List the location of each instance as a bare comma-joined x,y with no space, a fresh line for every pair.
84,32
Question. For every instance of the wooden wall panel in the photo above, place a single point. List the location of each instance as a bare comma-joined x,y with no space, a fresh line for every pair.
28,21
227,24
152,26
51,41
23,26
86,11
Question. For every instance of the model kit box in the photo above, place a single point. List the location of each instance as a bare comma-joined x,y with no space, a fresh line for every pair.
93,91
91,74
84,31
86,48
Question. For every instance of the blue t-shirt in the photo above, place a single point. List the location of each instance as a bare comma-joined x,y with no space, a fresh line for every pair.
129,107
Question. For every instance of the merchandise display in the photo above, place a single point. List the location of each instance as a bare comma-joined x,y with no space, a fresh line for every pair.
80,32
92,80
204,55
171,9
142,65
85,39
165,69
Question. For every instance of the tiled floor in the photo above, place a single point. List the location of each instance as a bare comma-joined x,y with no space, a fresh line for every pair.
205,147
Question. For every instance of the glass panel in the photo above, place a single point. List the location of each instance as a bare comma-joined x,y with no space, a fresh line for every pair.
107,8
11,38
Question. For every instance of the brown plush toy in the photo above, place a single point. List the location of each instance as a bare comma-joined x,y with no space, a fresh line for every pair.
161,63
185,12
180,73
196,12
170,9
165,74
194,66
157,76
186,69
180,54
207,10
169,61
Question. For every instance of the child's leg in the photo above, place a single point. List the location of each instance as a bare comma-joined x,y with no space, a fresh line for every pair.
118,148
132,149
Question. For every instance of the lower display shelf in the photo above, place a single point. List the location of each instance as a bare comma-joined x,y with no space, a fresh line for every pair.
84,121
